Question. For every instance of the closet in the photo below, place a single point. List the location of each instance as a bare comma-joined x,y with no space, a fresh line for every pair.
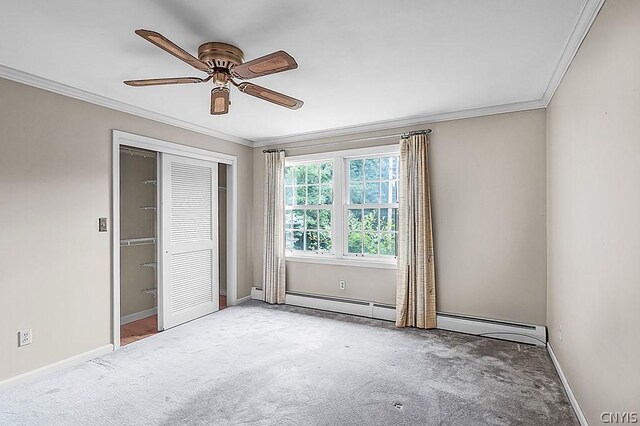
173,240
138,244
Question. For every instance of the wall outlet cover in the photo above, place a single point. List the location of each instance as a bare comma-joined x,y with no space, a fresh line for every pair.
25,337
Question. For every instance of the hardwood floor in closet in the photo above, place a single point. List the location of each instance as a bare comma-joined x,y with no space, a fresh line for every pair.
146,327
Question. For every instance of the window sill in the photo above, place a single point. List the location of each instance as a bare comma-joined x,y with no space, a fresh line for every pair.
357,263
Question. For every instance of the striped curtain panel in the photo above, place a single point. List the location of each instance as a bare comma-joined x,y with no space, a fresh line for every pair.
273,254
415,288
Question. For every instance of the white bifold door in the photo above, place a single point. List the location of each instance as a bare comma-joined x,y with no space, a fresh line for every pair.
189,241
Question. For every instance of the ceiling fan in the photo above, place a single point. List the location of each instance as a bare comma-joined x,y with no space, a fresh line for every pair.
224,62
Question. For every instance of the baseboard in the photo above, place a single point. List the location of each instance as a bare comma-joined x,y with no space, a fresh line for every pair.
137,316
56,366
243,299
515,332
572,398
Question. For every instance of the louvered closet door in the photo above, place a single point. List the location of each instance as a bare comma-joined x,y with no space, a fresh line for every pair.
189,239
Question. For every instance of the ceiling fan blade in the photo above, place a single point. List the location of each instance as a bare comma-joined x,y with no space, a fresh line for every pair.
161,81
170,47
219,101
270,95
270,64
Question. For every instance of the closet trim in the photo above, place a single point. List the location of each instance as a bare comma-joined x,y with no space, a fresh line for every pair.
121,138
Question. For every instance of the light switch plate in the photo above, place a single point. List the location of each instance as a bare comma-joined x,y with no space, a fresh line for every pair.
102,224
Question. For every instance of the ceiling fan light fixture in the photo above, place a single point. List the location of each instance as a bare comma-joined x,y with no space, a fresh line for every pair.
219,100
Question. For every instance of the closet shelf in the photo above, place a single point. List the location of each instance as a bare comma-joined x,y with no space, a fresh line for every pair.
149,181
137,241
153,291
153,265
148,207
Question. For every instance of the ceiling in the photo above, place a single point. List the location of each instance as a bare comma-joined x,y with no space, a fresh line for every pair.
362,63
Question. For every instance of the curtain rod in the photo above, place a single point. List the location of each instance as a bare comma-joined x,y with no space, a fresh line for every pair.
341,142
416,132
273,150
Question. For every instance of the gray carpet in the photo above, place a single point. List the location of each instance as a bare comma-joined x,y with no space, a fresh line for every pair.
260,365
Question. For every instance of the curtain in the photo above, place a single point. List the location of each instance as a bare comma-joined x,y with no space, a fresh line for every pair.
415,287
273,254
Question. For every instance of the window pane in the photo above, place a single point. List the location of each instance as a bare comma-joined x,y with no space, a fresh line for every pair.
312,240
288,238
372,192
288,196
355,220
389,168
385,168
299,173
298,218
298,240
324,220
356,193
370,219
355,242
325,241
394,191
388,219
355,170
288,175
301,195
313,173
372,169
385,191
384,219
370,243
313,195
394,219
288,219
388,244
326,194
326,172
312,219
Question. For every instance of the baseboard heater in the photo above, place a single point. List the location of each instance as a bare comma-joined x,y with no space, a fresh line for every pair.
522,333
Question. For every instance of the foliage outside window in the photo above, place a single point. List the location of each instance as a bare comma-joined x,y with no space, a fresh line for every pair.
308,195
372,210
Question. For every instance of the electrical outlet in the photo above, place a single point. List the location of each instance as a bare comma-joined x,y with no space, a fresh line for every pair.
560,332
343,285
25,337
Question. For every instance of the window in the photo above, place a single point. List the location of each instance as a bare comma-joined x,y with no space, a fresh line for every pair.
372,206
342,207
308,198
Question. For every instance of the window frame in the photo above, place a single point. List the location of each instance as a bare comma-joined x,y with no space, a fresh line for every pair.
317,207
339,212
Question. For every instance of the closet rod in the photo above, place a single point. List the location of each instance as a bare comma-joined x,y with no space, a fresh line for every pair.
137,152
137,241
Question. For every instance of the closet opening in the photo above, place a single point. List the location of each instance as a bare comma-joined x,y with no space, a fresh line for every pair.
138,244
175,235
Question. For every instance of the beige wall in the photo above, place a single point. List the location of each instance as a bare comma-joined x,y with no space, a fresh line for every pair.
137,223
489,204
594,215
55,182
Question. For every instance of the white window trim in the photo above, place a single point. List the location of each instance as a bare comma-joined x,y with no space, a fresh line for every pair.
338,209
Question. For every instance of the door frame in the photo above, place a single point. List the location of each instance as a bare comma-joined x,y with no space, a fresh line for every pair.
137,141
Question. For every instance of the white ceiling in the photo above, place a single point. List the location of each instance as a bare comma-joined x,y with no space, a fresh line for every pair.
360,61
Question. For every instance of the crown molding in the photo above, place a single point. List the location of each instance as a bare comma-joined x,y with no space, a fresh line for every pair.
402,123
62,89
588,14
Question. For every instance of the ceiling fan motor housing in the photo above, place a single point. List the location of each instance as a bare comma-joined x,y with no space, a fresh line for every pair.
220,55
